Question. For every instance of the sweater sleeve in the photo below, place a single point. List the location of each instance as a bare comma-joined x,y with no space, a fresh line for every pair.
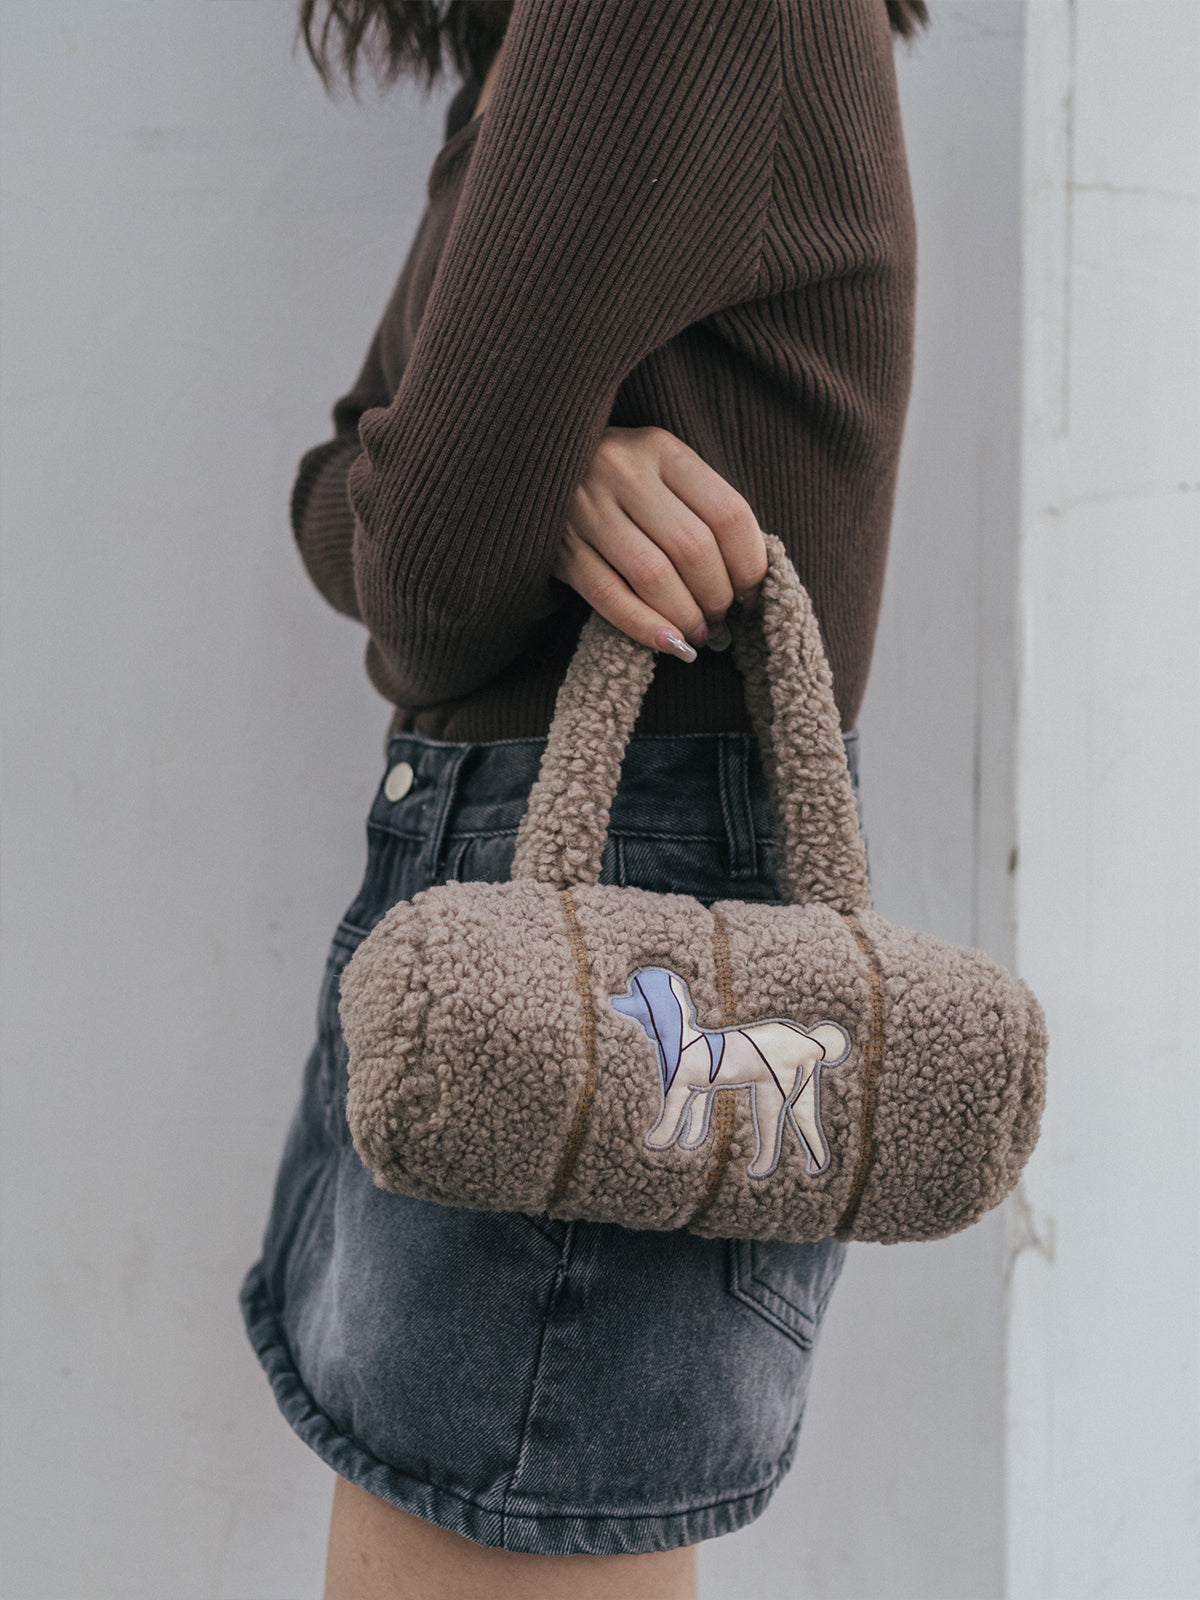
617,193
321,514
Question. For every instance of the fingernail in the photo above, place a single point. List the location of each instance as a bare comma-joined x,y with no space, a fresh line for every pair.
666,640
717,618
699,635
720,640
748,599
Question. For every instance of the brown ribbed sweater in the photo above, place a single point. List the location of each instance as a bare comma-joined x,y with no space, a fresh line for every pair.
680,212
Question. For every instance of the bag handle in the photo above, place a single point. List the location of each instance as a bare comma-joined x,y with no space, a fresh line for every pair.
789,694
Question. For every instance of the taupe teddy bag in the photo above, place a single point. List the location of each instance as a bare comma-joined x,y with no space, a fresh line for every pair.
750,1070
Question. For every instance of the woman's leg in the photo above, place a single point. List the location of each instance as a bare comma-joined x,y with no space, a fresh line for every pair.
378,1552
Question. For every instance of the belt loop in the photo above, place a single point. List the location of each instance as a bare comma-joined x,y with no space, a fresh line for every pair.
431,856
732,770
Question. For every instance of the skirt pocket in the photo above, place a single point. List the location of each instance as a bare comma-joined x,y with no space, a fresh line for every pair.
488,857
788,1285
669,863
332,1055
392,875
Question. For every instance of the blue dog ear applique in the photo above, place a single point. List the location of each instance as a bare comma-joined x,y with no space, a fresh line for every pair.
653,1002
777,1060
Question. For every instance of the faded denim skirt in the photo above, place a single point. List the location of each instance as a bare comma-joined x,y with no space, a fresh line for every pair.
544,1386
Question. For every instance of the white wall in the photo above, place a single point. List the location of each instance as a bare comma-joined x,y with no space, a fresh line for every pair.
1104,1424
191,745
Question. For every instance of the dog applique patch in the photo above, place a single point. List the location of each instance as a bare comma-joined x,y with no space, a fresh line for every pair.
776,1059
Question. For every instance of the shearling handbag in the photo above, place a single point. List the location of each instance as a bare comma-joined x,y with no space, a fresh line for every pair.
754,1070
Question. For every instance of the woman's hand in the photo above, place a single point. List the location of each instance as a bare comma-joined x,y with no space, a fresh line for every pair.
659,543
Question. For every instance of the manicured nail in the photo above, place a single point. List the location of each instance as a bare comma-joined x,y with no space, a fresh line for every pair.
666,640
699,635
748,599
717,618
721,640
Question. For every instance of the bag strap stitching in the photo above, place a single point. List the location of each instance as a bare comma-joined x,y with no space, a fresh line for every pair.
725,1100
872,1066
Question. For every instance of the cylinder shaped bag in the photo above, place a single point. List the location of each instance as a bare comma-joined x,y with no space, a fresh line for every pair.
749,1070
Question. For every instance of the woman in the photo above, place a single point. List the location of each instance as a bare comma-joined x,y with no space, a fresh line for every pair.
661,297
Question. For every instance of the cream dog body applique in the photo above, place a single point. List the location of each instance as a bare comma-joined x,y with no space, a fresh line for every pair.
776,1059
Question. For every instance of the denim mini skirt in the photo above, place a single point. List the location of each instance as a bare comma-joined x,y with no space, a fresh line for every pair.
544,1386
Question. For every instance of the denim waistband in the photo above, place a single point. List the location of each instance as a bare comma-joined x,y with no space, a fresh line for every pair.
672,786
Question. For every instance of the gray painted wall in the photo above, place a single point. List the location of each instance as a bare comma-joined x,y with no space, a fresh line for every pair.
195,256
1103,1377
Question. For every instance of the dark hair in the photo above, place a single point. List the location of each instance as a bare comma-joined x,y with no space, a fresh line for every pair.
398,36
